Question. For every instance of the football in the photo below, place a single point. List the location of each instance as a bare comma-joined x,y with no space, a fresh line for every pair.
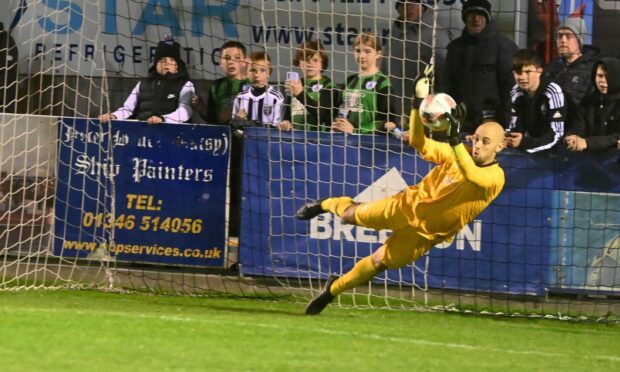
432,111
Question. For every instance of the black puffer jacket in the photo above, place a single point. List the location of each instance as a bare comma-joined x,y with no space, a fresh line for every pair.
159,94
598,119
479,72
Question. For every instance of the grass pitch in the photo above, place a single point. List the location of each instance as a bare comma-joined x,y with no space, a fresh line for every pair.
96,331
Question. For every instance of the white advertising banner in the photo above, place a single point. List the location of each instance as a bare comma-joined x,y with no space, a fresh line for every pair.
74,37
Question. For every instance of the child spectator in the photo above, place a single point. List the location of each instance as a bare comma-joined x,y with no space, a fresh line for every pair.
165,95
217,107
261,103
597,127
311,106
365,107
538,107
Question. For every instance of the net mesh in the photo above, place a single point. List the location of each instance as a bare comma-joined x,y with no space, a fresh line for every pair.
82,59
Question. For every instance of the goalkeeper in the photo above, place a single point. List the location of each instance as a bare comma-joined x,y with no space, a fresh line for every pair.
451,195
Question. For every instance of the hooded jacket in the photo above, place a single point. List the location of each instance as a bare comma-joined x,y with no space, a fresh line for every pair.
598,119
479,71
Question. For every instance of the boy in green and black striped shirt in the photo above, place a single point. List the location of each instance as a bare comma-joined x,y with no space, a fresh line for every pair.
219,102
313,98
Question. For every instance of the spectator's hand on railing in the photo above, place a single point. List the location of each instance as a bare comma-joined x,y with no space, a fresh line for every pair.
575,143
513,139
106,118
394,130
342,125
285,126
155,120
389,126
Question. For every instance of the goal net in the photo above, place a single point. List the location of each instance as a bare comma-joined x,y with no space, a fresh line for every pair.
128,206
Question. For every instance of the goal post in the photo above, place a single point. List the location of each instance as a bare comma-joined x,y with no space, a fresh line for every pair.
80,208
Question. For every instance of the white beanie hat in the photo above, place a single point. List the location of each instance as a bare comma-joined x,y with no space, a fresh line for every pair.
577,25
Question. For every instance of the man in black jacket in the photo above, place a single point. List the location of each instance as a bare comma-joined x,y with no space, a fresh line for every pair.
538,106
597,127
479,67
573,68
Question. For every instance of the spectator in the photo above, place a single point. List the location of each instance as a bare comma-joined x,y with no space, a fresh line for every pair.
311,106
573,68
260,104
217,108
165,95
479,68
597,127
538,107
410,48
365,107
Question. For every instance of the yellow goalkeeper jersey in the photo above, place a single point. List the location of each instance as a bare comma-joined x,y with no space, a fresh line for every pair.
453,193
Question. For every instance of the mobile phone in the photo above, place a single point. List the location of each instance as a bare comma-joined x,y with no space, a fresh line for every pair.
292,75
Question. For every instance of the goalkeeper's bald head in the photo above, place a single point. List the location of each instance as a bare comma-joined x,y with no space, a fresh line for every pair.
487,142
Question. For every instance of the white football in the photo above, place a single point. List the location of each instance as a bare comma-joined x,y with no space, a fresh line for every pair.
432,111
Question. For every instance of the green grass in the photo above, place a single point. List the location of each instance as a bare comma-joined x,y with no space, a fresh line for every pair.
95,331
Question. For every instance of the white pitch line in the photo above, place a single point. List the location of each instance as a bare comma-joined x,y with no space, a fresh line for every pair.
306,329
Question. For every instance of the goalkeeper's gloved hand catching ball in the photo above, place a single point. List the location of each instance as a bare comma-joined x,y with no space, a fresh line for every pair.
455,129
423,86
459,112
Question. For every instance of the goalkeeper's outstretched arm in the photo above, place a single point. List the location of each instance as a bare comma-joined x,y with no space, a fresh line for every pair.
416,130
422,90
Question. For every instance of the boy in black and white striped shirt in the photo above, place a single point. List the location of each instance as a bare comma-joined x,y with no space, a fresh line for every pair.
261,103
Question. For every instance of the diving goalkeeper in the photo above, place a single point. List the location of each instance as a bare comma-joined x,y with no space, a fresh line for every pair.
451,195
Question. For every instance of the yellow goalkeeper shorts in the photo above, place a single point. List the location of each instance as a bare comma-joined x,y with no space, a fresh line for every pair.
405,245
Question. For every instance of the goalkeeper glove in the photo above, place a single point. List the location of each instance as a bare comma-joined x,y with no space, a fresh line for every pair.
423,86
454,130
460,112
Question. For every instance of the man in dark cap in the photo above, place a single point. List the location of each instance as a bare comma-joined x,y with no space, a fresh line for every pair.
165,95
479,67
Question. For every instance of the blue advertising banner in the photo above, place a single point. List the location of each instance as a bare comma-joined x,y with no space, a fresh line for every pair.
142,193
509,248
